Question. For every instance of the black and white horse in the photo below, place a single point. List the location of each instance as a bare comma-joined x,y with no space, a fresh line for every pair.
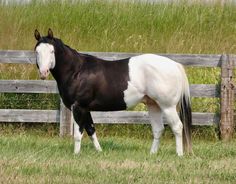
87,83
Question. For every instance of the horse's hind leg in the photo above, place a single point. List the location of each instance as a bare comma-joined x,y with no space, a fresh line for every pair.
90,129
176,126
156,120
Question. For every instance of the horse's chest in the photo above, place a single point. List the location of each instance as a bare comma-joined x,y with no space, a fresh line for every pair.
67,95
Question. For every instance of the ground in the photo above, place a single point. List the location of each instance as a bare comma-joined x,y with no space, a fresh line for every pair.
28,158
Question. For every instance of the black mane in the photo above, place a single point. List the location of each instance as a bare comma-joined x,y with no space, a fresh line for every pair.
57,43
61,47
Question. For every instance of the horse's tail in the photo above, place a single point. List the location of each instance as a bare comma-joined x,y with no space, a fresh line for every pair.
186,112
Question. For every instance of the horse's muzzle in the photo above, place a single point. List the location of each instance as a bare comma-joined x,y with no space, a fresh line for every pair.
44,74
43,77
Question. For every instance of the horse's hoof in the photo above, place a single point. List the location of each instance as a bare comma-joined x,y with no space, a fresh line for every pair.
99,149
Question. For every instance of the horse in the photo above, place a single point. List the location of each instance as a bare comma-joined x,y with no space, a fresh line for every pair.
87,83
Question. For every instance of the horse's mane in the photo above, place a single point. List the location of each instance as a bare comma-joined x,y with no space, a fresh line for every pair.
83,55
71,49
60,46
57,43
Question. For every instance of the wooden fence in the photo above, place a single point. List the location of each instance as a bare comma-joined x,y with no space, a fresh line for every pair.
225,91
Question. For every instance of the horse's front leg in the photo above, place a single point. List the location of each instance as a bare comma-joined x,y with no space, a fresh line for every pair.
78,134
90,129
83,120
78,128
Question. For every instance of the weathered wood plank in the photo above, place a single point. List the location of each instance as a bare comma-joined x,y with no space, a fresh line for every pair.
121,117
17,56
227,124
204,90
17,53
28,86
117,117
17,60
65,121
137,117
50,86
205,118
23,115
201,60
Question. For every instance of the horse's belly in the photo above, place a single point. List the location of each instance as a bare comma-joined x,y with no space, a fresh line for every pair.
107,105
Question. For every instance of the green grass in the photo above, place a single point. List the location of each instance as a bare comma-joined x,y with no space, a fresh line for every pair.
35,154
123,26
27,158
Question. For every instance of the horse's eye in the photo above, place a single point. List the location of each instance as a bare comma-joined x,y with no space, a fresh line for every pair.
52,51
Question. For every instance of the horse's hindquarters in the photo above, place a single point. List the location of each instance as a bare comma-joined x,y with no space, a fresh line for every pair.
154,76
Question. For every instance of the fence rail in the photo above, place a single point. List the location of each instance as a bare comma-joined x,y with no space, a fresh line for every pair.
200,60
49,86
117,117
63,116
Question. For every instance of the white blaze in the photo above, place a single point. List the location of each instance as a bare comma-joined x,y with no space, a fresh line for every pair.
45,58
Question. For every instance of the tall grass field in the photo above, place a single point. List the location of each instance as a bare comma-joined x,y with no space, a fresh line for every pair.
35,153
122,26
118,26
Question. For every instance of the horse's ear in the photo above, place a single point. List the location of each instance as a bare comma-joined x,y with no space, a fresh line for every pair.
50,33
37,35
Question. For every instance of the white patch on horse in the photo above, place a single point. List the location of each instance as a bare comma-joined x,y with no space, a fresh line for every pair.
154,77
157,124
45,58
77,138
95,142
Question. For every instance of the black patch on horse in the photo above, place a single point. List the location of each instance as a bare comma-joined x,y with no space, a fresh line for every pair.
93,83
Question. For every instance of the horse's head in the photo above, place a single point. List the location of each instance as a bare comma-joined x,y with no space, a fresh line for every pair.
45,53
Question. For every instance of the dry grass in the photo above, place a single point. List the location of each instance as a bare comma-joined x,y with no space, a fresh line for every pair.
123,26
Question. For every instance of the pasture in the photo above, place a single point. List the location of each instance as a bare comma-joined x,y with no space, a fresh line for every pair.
40,156
120,26
32,158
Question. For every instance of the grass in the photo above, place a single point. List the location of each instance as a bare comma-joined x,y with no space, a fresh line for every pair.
28,158
118,27
41,157
123,26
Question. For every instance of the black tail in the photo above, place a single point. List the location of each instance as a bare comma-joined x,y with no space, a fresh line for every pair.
186,118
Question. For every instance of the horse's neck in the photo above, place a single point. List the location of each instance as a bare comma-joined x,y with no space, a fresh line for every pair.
66,63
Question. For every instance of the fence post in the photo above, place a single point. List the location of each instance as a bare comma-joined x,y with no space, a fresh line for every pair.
66,126
227,98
